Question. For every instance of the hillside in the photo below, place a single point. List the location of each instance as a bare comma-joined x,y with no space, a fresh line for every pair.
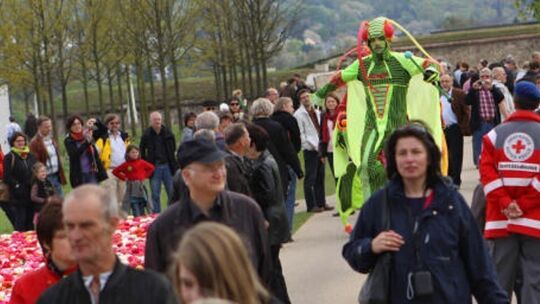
326,27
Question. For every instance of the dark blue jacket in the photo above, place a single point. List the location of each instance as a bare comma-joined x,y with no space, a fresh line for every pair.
450,247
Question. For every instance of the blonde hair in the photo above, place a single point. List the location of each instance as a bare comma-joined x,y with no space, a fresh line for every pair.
217,257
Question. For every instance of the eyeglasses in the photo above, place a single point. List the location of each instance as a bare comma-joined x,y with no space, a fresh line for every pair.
234,104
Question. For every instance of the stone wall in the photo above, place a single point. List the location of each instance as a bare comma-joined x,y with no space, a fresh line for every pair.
492,49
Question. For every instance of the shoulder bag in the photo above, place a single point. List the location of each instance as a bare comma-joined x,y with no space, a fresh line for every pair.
376,288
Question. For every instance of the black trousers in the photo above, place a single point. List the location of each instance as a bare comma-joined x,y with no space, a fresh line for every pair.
278,286
454,142
314,180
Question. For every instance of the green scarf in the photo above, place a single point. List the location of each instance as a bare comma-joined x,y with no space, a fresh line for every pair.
23,153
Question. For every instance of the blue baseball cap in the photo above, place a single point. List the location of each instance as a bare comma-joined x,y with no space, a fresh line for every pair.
526,91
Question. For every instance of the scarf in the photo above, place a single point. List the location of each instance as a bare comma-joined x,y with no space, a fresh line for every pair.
79,137
23,153
324,127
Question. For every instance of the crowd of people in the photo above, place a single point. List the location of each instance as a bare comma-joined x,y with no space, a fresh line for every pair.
238,166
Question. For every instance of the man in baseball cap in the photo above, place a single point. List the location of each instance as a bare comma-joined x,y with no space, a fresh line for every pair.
509,170
203,170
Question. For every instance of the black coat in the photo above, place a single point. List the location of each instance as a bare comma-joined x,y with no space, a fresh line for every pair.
238,211
148,147
281,149
19,177
237,174
268,193
75,153
290,124
125,285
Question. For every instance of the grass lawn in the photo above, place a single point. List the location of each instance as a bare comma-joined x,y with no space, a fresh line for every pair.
299,219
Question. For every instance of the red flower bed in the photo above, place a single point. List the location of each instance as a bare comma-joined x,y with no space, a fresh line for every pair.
20,252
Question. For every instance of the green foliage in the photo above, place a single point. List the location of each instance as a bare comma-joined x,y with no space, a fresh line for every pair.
528,8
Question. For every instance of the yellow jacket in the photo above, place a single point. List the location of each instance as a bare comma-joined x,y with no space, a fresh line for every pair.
104,146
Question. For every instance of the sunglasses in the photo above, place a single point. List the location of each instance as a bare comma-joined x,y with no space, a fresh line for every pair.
234,104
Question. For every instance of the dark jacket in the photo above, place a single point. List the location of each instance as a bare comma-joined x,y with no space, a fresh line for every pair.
461,110
237,174
125,285
148,147
19,177
291,126
75,153
281,149
37,147
236,210
473,99
268,193
450,247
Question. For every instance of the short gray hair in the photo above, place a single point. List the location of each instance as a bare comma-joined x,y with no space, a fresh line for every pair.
262,107
205,134
207,120
281,102
109,204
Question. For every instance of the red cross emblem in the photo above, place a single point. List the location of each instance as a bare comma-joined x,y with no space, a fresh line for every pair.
518,146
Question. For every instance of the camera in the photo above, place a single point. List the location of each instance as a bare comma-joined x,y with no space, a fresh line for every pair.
423,284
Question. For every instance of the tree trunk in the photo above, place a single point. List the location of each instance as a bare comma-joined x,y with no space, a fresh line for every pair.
142,95
85,85
243,72
177,93
130,104
51,98
44,100
217,80
257,75
100,88
63,81
37,88
120,93
152,87
226,90
165,101
264,74
111,92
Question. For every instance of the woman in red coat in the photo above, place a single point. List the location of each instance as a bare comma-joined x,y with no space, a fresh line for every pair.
57,251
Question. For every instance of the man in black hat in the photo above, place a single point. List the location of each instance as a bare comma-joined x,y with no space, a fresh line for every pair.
203,170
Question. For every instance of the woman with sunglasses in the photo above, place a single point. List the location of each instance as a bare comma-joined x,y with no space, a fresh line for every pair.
236,109
437,251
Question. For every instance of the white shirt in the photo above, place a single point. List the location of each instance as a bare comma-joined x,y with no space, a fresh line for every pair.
508,99
118,150
103,278
449,117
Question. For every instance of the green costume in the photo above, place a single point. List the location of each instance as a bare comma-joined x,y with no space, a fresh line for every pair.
384,91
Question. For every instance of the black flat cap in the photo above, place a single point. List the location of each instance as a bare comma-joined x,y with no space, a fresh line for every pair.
199,151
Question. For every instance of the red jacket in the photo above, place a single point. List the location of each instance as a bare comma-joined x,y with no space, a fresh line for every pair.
30,286
138,169
510,171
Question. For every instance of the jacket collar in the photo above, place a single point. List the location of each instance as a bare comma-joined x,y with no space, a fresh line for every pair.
524,115
442,191
116,276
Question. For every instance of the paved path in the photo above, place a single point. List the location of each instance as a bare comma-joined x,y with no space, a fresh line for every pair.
312,264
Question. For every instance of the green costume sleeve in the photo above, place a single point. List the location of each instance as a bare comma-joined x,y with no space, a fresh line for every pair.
344,76
350,72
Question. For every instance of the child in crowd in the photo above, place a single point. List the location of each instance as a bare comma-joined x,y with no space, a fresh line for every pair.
41,190
135,170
